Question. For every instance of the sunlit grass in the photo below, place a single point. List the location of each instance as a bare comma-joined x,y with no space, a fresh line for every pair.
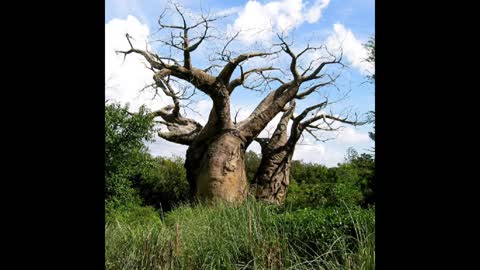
248,236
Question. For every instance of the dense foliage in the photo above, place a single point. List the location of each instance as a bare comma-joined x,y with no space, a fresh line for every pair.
165,185
125,153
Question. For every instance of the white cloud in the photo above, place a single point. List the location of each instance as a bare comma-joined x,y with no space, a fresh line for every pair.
319,153
125,78
165,148
315,12
353,49
201,110
350,135
259,22
332,152
229,11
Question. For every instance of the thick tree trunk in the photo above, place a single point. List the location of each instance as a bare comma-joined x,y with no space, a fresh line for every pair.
216,168
273,176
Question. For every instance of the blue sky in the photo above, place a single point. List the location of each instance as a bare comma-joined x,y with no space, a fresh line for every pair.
347,24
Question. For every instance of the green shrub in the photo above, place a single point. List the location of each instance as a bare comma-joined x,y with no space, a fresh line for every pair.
309,173
322,195
314,230
132,215
165,184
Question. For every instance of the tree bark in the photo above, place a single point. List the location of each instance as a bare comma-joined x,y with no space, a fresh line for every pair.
273,175
216,168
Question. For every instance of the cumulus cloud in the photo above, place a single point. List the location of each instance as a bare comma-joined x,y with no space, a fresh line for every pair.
259,22
350,135
315,12
125,77
353,49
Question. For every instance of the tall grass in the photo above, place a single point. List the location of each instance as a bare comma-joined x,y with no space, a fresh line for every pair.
248,236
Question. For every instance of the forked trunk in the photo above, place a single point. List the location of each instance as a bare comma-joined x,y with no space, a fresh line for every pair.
273,176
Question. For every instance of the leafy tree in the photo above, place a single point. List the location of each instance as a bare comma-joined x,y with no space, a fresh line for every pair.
365,167
125,152
310,173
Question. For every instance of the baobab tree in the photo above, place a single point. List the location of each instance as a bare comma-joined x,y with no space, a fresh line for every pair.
215,156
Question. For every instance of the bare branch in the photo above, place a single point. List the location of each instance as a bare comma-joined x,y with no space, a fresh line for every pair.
314,73
223,54
210,67
228,69
305,112
308,48
151,59
235,119
184,45
327,116
244,75
293,63
312,89
316,137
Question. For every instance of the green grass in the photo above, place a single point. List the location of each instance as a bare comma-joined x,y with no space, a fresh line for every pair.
248,236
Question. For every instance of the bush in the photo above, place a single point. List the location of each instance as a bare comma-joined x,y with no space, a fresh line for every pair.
322,195
132,215
165,184
315,230
309,173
